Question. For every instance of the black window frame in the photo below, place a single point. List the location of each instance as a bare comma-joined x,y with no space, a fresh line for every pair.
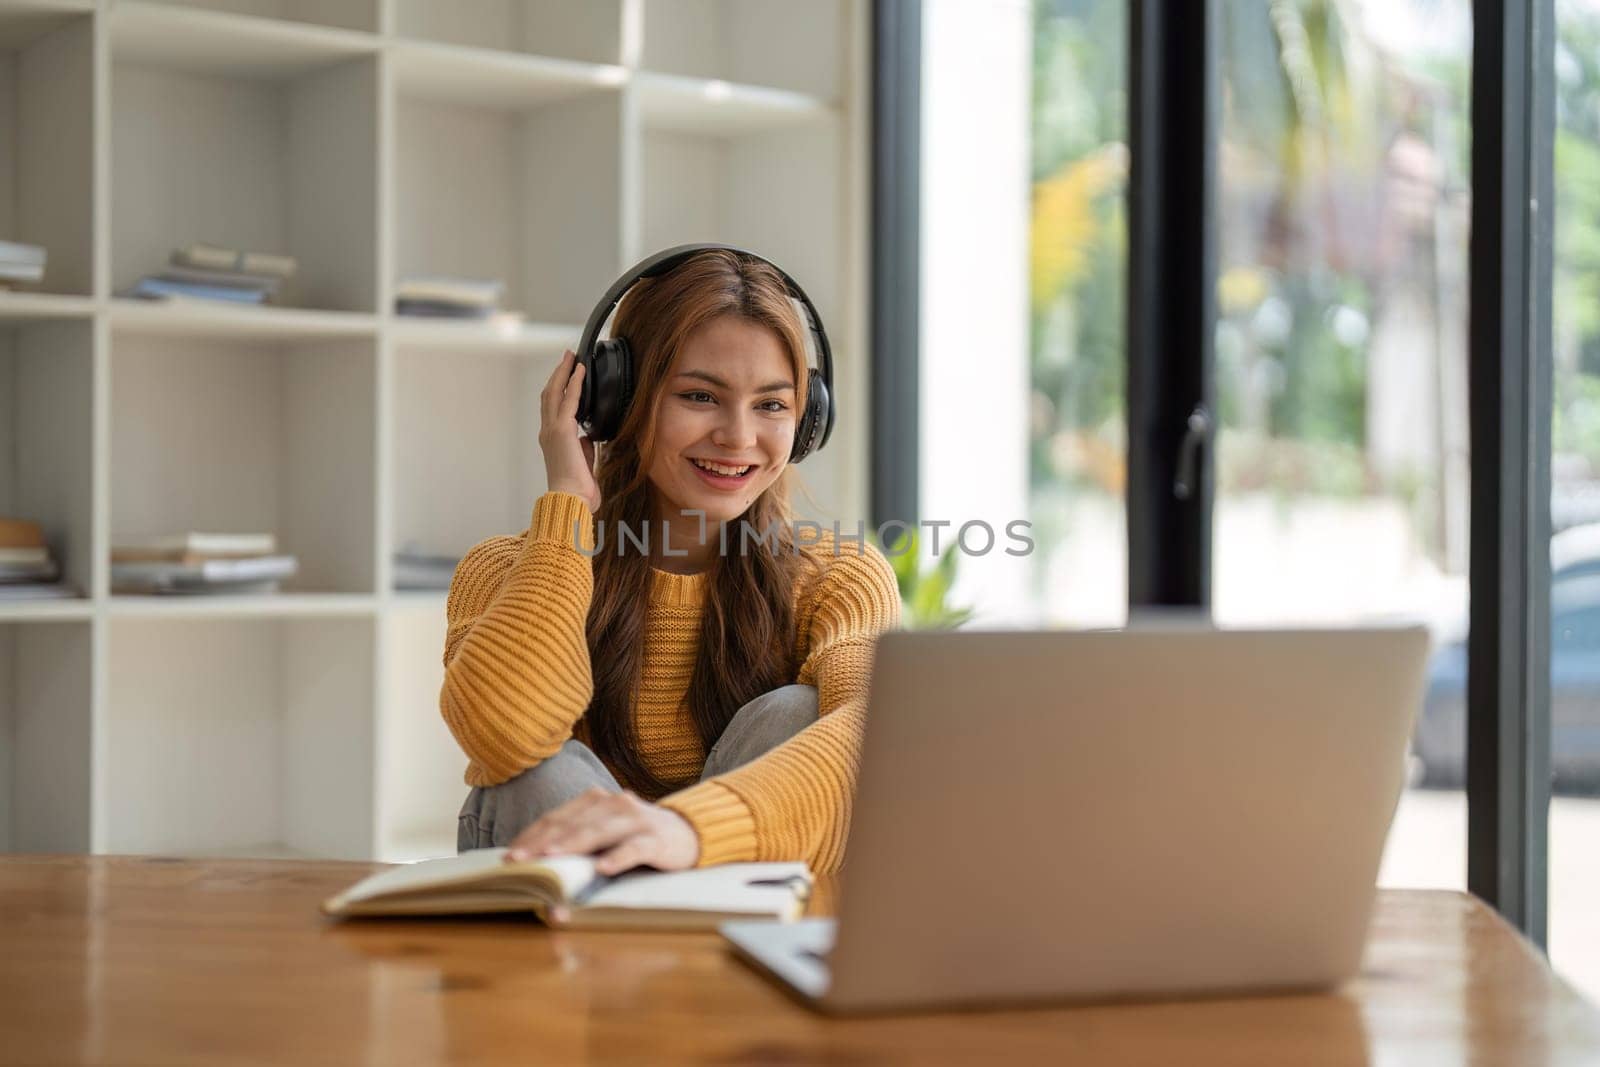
896,256
1509,375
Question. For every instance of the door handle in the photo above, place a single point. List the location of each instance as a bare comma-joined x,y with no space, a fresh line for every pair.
1196,432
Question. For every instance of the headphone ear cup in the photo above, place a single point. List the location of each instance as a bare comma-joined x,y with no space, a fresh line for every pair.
812,420
607,389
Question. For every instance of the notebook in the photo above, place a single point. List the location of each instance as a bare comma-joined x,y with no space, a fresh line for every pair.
482,881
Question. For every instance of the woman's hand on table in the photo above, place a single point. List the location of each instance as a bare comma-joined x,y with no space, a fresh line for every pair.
618,829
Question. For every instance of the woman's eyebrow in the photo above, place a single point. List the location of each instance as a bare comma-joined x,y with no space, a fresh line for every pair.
704,376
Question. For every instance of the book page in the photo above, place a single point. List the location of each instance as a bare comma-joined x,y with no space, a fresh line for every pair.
575,873
572,873
748,888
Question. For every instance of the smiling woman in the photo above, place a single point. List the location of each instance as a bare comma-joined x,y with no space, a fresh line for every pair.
725,431
725,690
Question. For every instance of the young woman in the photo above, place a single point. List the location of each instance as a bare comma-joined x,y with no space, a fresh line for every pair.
693,704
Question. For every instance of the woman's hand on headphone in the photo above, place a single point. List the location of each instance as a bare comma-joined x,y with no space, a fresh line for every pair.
568,455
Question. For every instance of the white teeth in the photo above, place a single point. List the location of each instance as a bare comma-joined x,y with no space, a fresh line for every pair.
717,468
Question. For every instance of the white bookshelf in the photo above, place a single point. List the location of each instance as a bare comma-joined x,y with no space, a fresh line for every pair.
548,143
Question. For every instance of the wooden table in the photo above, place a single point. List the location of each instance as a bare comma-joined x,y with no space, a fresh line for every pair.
112,960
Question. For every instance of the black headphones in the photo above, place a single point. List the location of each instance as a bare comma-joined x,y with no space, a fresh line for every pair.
609,377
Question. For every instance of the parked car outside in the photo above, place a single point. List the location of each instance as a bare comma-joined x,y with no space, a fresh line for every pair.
1441,735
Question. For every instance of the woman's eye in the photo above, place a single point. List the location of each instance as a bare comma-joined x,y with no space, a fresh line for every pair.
697,396
777,407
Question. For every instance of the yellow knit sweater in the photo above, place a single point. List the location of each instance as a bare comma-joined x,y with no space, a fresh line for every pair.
517,680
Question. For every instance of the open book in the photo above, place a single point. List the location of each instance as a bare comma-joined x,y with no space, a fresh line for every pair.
482,881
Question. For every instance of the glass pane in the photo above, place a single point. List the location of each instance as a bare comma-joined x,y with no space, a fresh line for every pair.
1575,504
1077,441
1341,350
1024,166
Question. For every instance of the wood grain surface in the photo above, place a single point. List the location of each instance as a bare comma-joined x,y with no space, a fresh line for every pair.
143,960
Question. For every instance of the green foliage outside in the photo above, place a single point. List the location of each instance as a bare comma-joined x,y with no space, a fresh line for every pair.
925,585
1079,235
1576,428
1313,111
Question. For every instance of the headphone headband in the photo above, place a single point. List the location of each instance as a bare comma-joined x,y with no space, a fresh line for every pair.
663,263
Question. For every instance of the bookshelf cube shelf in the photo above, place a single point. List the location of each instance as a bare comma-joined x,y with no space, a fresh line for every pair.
284,161
261,744
46,436
47,84
45,719
341,14
587,30
466,446
422,786
526,196
210,38
545,143
774,43
772,192
250,437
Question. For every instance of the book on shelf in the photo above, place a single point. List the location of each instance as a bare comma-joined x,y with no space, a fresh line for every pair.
433,309
212,273
444,289
13,592
228,279
198,562
155,288
217,257
195,546
11,274
415,570
20,263
254,574
567,892
18,254
264,587
44,570
26,562
20,533
443,297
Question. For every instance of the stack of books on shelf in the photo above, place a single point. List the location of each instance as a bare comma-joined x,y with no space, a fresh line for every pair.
20,263
27,569
200,563
212,273
442,297
415,569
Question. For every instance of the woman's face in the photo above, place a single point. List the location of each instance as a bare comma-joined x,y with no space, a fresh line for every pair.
729,400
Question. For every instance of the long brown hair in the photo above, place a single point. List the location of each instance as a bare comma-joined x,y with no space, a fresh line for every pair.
747,638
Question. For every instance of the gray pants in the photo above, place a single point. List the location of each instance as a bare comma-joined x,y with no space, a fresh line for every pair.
494,815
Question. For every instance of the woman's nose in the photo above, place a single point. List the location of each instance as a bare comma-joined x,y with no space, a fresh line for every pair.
735,431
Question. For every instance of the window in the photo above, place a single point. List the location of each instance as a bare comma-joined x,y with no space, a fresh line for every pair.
1077,271
1341,358
1574,921
1024,263
1346,332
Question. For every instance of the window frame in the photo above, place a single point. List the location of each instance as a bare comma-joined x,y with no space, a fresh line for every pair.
896,256
1509,369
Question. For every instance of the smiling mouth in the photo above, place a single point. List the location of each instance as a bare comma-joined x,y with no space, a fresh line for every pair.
719,477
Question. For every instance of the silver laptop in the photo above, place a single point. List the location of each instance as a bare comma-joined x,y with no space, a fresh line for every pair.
1163,811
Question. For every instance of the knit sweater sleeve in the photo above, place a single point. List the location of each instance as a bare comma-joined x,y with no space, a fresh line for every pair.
795,801
517,673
